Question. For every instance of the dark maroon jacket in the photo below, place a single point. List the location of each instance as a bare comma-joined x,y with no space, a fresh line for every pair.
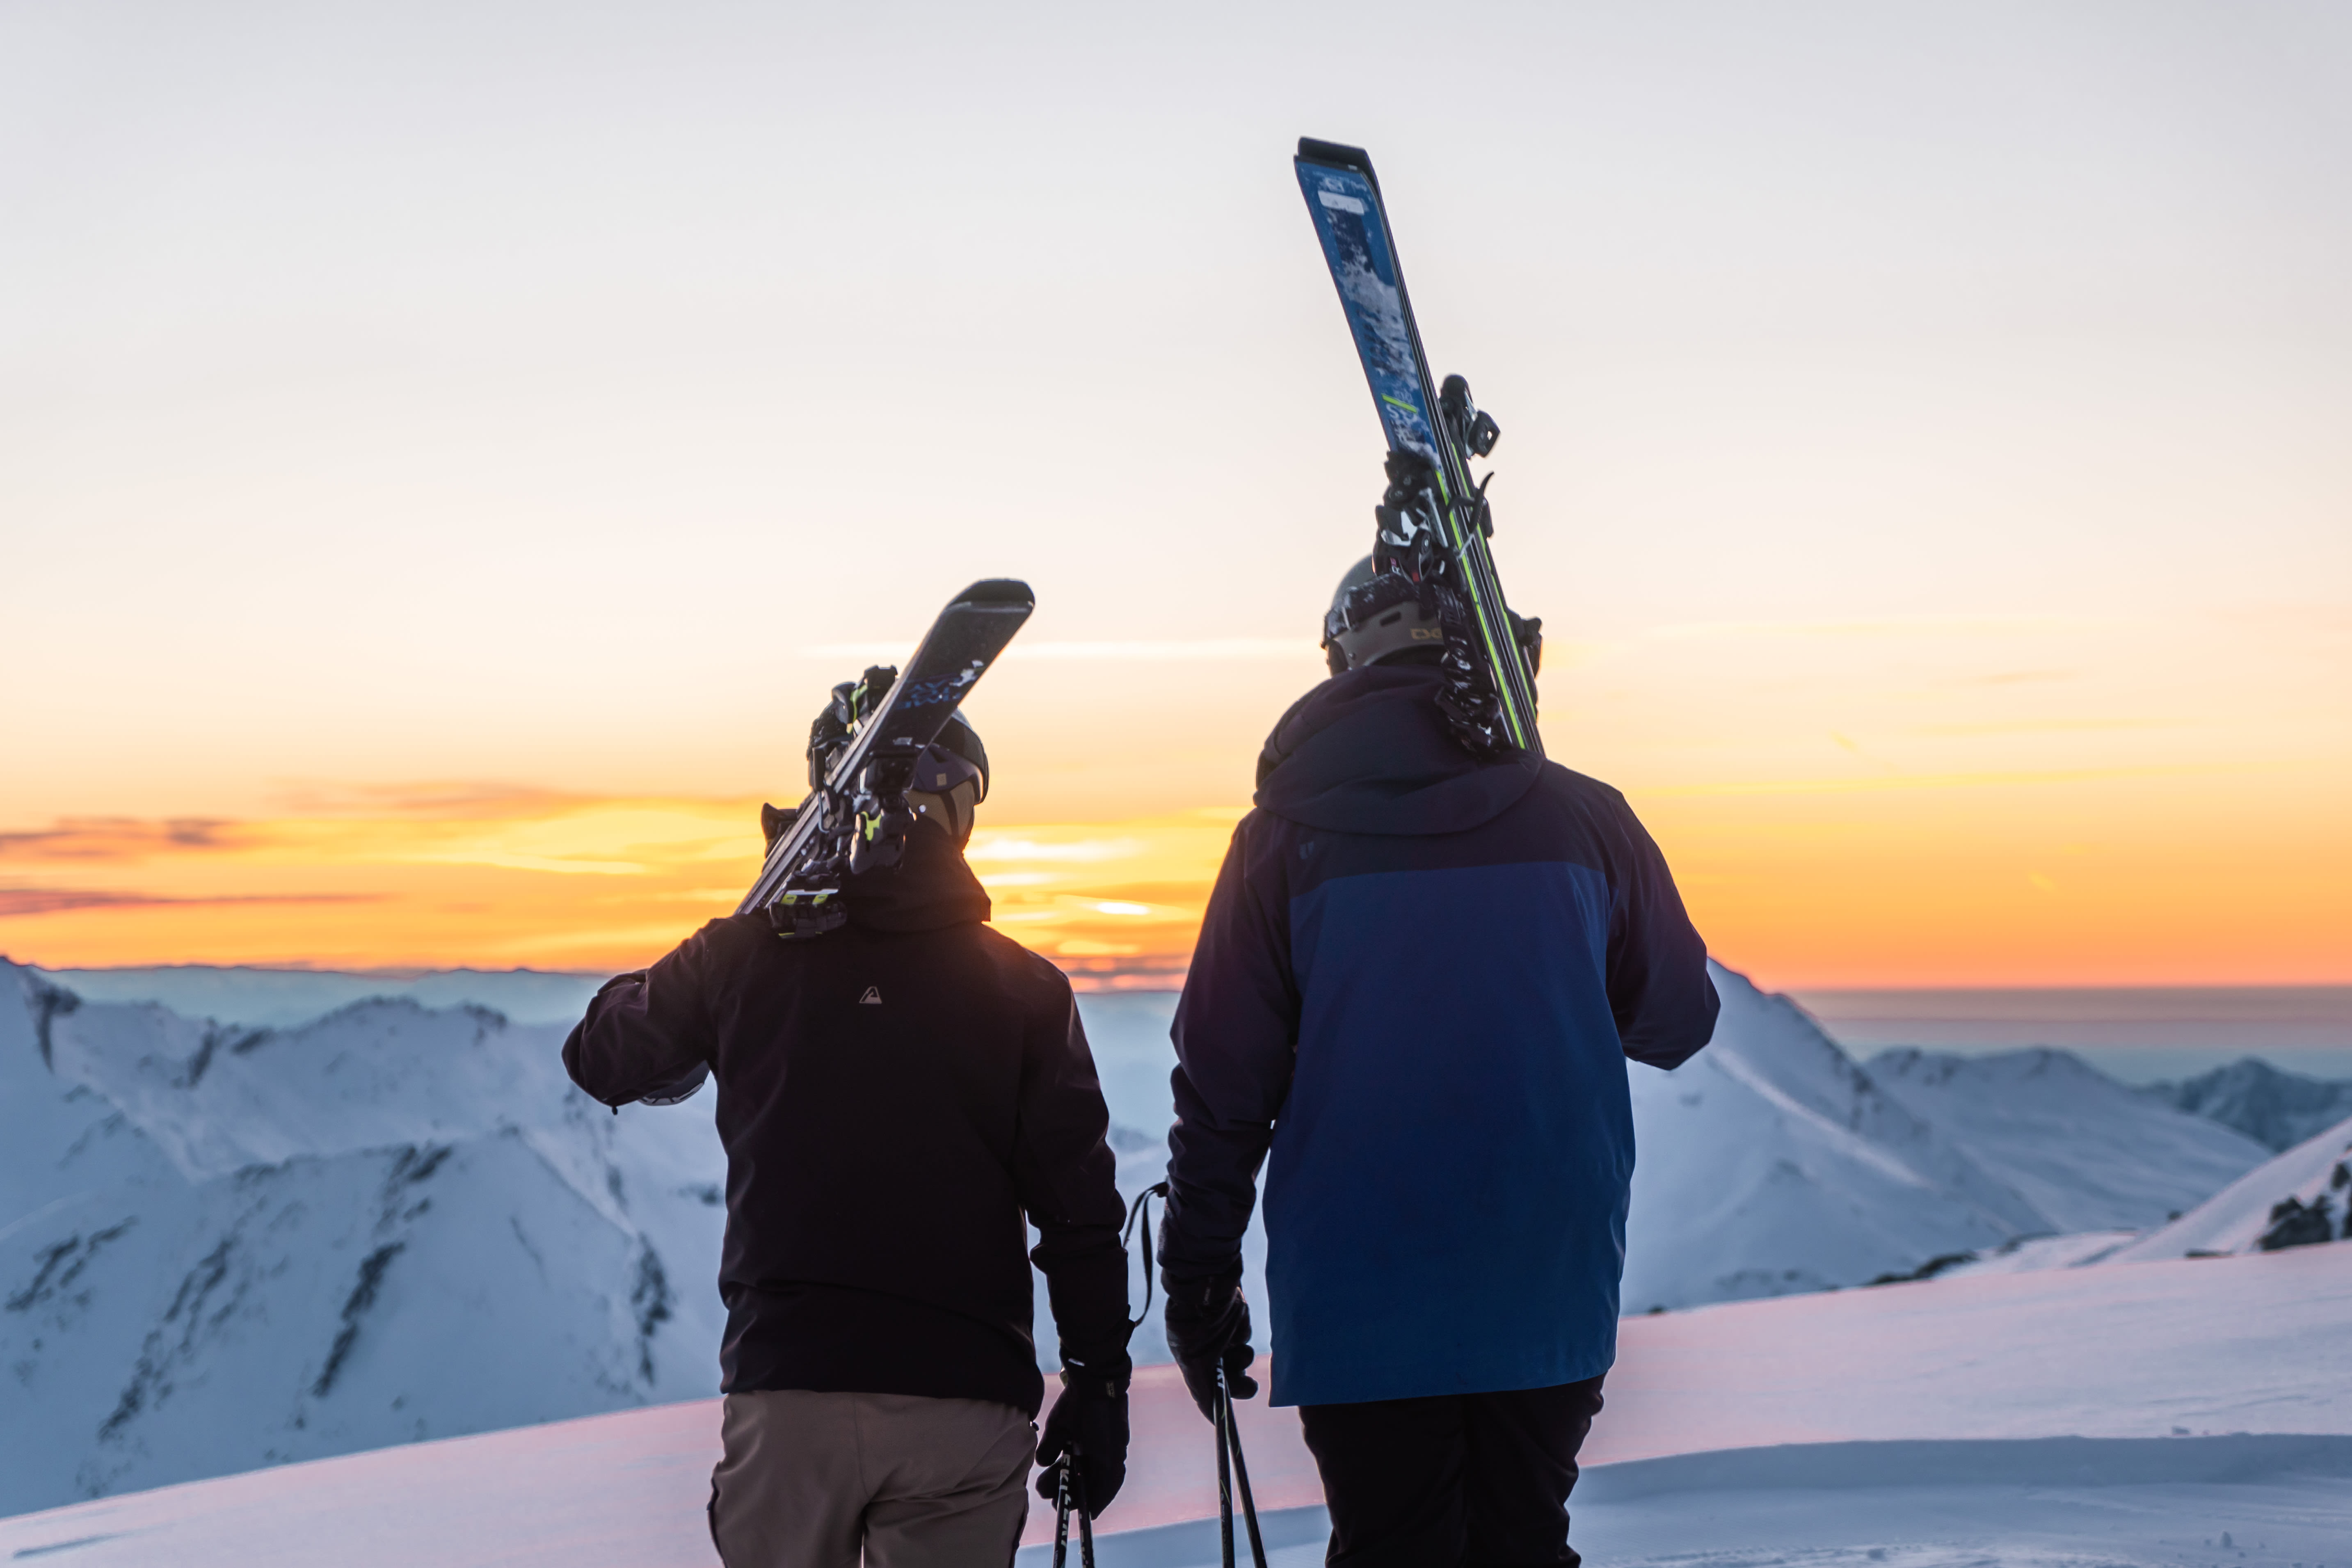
894,1098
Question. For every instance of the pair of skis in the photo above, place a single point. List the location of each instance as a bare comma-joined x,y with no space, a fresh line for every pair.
1437,522
862,758
1069,1495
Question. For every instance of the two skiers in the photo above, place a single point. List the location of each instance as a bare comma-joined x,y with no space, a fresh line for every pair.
1413,997
1418,983
895,1097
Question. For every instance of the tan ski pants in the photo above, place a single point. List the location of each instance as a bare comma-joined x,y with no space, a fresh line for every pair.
811,1480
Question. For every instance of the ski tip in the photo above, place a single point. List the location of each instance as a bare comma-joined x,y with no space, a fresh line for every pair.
1337,154
999,594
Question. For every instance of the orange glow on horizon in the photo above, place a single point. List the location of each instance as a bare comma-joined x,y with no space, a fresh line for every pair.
2143,880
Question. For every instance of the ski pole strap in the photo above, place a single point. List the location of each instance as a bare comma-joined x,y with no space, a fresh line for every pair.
1140,1210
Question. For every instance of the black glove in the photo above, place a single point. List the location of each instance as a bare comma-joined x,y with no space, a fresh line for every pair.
1209,1326
1088,1422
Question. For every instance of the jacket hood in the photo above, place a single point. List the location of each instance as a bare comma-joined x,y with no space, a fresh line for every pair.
1367,751
931,887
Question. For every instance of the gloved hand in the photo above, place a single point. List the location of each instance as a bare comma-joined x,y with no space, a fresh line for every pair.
1088,1421
1209,1326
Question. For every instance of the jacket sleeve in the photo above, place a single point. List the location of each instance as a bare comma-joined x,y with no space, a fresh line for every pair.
1658,985
1067,1181
645,1030
1236,1035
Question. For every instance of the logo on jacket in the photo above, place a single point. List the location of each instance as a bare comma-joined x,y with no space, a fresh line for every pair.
873,998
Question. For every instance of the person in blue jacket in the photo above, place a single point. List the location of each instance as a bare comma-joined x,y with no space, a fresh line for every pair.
1418,983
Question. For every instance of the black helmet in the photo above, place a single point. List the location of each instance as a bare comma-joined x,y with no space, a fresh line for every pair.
952,778
1377,614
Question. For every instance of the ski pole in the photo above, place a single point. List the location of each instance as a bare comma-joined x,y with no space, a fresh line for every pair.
1229,1468
1070,1493
1061,1511
1223,1401
1241,1475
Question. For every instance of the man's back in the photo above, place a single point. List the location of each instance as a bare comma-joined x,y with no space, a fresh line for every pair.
894,1097
1427,974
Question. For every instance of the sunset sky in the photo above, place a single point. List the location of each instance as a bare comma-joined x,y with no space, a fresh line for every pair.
447,451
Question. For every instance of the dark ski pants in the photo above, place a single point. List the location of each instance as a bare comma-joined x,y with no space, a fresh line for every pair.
1460,1480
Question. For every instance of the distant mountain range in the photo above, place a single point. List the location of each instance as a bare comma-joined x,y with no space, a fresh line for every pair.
2088,1153
280,1232
2277,1110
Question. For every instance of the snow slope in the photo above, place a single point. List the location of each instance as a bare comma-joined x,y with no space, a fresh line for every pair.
2078,1417
2316,1175
1770,1164
221,1248
2088,1153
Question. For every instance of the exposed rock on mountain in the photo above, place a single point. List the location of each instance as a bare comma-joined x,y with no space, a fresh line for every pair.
2296,1199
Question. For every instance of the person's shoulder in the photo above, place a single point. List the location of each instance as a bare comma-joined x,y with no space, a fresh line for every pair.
1568,784
1032,973
728,938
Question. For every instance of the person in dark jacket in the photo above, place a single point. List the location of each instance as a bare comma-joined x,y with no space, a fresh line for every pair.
895,1097
1416,989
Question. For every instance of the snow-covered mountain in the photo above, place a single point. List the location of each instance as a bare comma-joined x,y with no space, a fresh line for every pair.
226,1247
2301,1198
1770,1163
2277,1110
280,998
2088,1153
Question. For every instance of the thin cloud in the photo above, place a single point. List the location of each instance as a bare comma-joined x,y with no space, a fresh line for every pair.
1083,850
1944,780
2044,727
116,837
1896,626
57,900
473,798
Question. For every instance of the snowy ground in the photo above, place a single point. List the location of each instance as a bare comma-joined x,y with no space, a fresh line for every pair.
2077,1418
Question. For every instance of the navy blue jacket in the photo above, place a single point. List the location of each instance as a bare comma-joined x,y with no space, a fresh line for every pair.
1417,985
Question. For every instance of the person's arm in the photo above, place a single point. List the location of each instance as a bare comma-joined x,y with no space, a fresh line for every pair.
1236,1035
1658,985
645,1031
1067,1181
